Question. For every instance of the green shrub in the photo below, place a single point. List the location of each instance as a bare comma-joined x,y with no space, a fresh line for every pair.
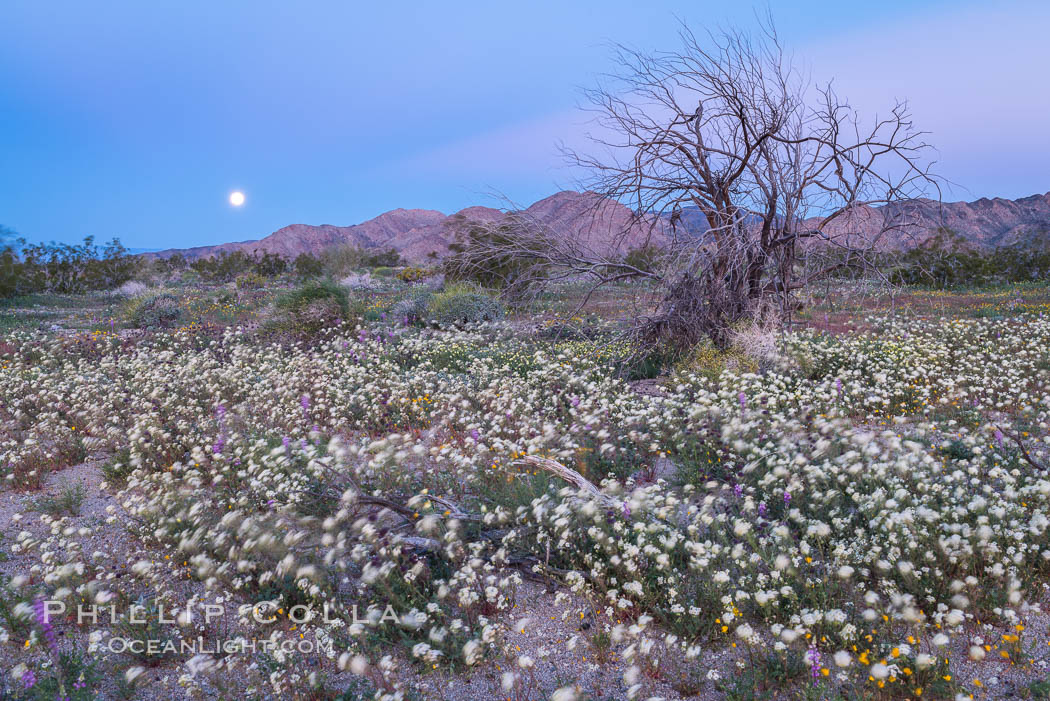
117,469
312,306
1040,689
250,281
340,261
307,265
463,303
163,310
470,256
648,258
412,308
67,501
648,366
228,266
947,260
62,268
388,257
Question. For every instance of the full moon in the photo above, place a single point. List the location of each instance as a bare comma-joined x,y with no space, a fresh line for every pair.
237,198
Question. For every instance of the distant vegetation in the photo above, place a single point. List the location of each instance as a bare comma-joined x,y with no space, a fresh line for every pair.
228,266
62,268
946,261
58,268
342,260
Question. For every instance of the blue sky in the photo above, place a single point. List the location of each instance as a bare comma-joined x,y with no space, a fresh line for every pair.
136,119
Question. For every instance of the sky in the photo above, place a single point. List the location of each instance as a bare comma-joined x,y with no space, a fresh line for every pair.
136,119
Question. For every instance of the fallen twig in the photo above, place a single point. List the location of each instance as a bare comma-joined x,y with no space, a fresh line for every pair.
572,477
1024,451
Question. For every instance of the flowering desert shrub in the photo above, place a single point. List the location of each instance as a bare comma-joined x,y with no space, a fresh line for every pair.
705,360
250,281
411,274
413,307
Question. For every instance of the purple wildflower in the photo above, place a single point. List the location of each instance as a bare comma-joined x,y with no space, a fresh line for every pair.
838,386
743,400
626,510
40,611
813,658
28,679
219,443
474,434
575,401
762,509
787,498
999,438
737,490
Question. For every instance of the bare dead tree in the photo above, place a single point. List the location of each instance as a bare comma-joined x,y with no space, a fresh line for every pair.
789,184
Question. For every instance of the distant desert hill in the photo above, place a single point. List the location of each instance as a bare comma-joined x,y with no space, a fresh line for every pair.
983,224
987,223
422,234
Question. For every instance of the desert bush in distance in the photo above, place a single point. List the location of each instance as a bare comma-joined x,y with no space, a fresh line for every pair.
63,268
227,266
340,261
947,260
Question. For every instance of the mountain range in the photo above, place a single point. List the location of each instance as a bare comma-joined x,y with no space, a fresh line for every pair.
422,234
